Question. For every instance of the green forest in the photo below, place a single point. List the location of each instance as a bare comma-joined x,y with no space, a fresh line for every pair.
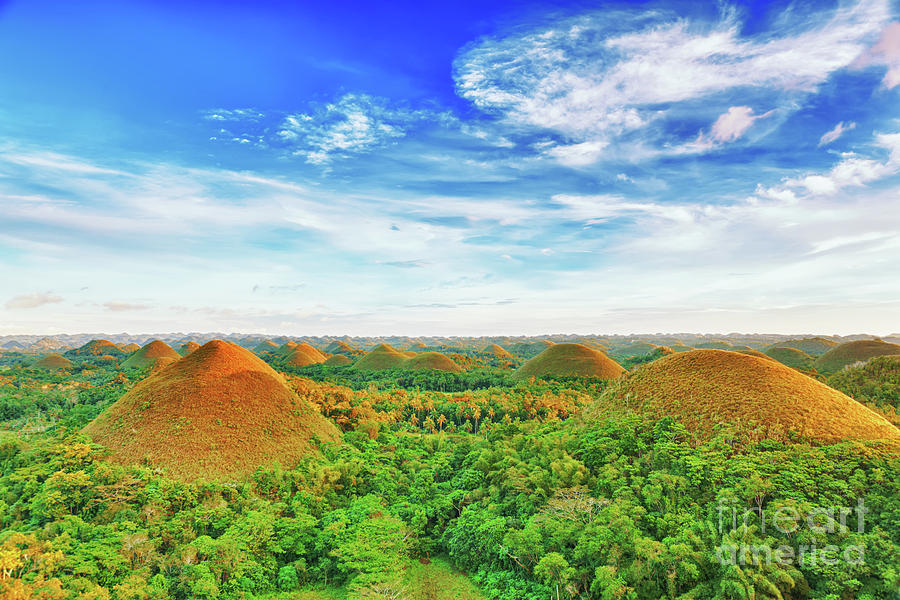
445,485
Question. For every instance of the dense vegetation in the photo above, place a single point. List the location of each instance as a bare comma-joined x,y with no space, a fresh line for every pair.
466,471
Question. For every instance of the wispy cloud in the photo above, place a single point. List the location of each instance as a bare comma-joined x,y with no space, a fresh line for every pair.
124,306
833,134
33,300
599,78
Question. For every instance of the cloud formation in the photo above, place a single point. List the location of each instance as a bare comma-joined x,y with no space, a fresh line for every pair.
886,52
599,78
33,300
833,134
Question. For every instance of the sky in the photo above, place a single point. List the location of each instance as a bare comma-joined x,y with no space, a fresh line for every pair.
453,168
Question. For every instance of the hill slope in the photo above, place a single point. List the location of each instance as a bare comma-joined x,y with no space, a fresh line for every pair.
815,346
303,355
852,352
431,360
705,387
792,357
218,413
96,348
52,362
382,356
149,355
563,360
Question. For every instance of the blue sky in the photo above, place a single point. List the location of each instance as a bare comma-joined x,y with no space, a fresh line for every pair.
453,168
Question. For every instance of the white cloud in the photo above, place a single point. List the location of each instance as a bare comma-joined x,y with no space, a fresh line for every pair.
851,171
592,83
354,123
734,123
833,134
886,52
33,300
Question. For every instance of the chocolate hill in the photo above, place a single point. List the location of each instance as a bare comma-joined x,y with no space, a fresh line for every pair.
188,348
286,348
792,357
496,351
341,347
431,360
149,355
218,413
52,362
303,355
382,356
338,360
703,388
565,360
815,346
129,348
96,348
265,346
853,352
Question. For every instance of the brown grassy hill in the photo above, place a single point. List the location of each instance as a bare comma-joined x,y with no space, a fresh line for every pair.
431,360
853,352
562,360
792,357
631,350
304,355
752,352
149,354
129,348
715,345
338,360
816,346
52,362
703,388
96,348
216,414
497,352
286,348
188,348
265,346
530,349
341,347
382,356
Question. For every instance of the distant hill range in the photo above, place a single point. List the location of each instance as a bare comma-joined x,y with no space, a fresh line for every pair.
523,346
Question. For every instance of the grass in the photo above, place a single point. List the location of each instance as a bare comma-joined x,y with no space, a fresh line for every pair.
815,346
568,360
853,352
338,360
218,413
149,355
96,348
52,361
265,346
302,355
706,388
496,351
431,360
792,357
188,347
383,356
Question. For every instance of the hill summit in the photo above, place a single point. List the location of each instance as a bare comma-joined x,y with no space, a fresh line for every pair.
218,413
566,360
853,352
156,352
703,388
51,362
